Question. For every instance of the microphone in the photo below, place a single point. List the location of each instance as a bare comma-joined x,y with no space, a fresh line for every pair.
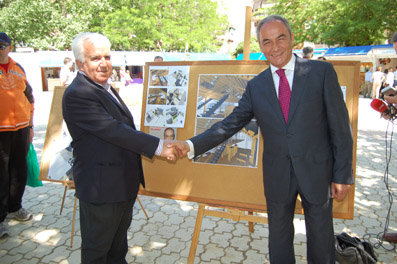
388,111
379,105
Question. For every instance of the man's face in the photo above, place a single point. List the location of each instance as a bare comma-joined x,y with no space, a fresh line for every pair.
169,134
97,65
276,43
5,48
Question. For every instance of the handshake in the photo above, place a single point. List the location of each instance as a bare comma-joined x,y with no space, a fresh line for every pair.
173,149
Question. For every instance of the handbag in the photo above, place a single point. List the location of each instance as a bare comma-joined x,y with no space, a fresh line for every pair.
33,168
351,250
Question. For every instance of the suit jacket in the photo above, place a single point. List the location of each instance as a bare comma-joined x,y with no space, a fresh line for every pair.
106,145
317,141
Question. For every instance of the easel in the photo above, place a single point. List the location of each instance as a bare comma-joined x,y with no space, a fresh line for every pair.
70,185
235,214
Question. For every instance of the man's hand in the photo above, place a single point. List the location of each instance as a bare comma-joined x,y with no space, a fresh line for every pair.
339,191
169,151
31,134
181,148
391,99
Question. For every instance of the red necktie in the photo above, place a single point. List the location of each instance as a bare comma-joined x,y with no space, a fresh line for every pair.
284,93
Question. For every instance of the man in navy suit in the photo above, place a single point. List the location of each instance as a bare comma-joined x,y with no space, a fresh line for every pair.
307,148
107,151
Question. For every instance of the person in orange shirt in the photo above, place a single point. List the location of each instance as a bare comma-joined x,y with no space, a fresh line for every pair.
16,133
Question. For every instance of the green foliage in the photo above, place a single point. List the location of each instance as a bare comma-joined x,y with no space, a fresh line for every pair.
339,22
254,47
49,25
167,25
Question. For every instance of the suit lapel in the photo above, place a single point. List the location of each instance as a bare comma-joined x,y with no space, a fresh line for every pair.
301,74
120,104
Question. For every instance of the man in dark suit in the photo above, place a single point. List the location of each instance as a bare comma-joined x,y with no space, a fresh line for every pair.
307,148
107,151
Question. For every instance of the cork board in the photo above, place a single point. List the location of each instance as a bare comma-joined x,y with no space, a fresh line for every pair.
230,186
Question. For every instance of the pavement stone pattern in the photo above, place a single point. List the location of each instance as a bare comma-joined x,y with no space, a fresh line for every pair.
165,237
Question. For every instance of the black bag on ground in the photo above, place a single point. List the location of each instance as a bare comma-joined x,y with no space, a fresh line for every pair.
351,250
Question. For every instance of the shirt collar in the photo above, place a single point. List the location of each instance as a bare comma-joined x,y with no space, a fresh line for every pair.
289,66
106,86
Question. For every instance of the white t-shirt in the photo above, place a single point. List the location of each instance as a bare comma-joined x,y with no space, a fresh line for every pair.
66,75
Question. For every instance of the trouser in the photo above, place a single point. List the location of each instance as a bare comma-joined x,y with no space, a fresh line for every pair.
104,232
367,89
14,146
375,89
319,229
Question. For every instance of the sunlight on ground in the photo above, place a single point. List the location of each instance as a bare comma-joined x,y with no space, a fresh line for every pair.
136,251
44,236
156,245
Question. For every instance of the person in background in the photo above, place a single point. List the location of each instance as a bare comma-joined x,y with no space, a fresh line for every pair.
16,134
158,59
378,77
307,53
67,72
368,83
389,81
393,99
307,142
395,77
107,151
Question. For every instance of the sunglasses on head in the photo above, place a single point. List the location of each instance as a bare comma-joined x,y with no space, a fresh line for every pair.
3,46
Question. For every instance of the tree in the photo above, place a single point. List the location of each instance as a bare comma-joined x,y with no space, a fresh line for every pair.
167,25
339,22
43,24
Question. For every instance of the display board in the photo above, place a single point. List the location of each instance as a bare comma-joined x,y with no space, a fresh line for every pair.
227,182
236,181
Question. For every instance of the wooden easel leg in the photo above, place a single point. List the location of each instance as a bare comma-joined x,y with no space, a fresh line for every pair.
251,224
63,199
144,211
196,234
74,220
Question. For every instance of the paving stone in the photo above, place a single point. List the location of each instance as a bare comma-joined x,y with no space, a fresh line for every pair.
221,239
25,247
232,256
166,236
212,252
184,234
11,259
168,231
240,243
167,259
174,245
60,253
30,261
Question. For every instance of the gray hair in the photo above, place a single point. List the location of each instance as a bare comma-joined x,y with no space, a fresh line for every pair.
307,52
78,42
271,19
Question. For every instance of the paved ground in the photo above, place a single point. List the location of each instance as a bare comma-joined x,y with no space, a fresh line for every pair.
165,237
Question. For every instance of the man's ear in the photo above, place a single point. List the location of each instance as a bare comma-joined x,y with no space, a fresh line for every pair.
79,64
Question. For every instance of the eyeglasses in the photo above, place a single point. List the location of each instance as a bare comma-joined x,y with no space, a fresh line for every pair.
4,46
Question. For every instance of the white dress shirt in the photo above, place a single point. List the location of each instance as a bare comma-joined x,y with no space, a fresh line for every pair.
289,73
